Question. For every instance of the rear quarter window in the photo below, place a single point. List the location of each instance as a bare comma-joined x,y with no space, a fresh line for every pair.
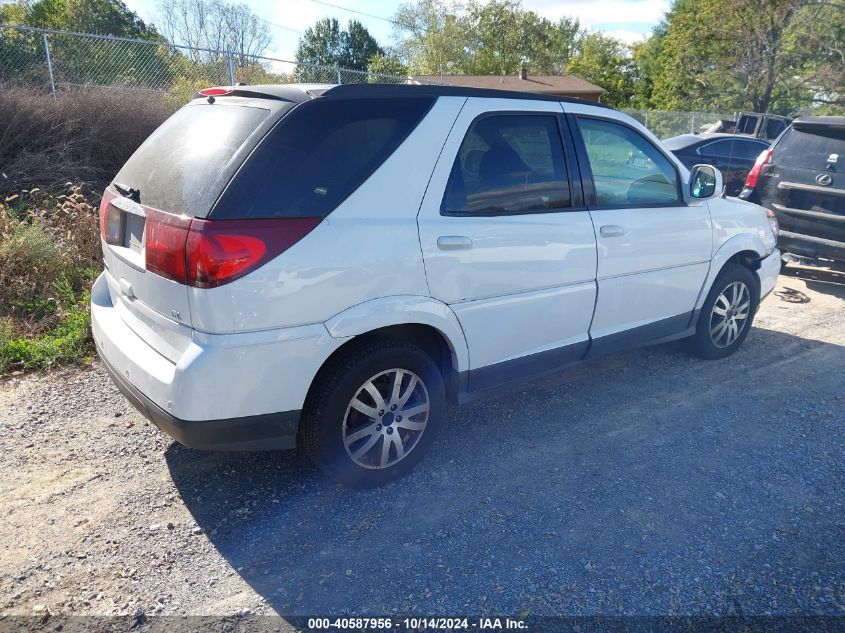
180,167
317,155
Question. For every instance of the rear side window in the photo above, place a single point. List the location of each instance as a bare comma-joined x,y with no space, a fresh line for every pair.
627,169
317,155
508,164
178,168
811,148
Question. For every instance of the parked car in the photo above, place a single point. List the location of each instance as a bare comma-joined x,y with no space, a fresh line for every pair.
801,178
328,267
733,155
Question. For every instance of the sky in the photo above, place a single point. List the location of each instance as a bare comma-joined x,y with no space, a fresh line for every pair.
629,20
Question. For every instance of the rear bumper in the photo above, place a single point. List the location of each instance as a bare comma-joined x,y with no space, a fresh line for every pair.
239,391
254,433
768,273
811,246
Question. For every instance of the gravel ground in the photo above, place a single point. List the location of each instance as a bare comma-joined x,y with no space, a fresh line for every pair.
647,483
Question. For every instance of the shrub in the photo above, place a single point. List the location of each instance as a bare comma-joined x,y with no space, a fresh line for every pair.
83,136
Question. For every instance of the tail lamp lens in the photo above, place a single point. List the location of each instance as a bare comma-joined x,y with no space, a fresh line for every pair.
111,219
753,175
210,253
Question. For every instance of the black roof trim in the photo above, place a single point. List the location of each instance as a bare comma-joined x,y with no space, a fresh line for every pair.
429,90
818,121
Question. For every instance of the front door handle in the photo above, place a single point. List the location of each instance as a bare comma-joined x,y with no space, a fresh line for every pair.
451,242
611,230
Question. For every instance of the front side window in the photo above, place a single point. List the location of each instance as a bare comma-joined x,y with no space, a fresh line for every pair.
509,163
627,168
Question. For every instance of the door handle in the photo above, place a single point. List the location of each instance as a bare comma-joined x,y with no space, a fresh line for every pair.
611,230
451,242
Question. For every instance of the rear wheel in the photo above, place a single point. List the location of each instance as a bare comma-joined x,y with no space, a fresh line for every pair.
374,412
727,313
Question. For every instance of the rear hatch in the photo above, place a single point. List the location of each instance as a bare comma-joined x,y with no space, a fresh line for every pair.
173,178
805,180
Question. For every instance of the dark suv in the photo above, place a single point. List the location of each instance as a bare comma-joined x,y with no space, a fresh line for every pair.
802,179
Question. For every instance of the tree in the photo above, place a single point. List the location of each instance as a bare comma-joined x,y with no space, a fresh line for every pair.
217,26
82,60
605,61
106,17
326,44
763,55
386,64
484,38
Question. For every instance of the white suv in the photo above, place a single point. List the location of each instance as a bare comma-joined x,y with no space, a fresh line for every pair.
327,266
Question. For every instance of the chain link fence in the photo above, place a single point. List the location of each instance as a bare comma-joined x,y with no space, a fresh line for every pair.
666,124
60,59
55,60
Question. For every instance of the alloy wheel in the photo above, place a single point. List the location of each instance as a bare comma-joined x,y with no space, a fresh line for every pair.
386,418
730,314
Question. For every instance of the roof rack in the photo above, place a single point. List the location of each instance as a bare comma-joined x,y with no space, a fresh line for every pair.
431,90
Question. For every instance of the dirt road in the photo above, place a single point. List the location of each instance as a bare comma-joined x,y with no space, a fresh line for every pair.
645,483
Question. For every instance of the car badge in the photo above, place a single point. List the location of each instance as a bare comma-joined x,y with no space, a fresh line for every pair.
832,159
824,179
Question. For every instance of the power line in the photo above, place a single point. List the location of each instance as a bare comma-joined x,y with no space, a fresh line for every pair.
364,13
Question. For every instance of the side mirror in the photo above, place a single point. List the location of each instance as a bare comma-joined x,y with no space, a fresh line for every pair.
705,182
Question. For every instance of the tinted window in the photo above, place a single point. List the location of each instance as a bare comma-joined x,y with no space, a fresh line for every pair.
627,168
509,164
724,148
810,148
748,149
179,167
317,155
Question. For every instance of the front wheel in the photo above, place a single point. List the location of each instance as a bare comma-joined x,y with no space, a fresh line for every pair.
727,313
373,414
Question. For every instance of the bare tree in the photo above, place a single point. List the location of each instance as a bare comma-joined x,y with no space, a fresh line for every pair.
214,25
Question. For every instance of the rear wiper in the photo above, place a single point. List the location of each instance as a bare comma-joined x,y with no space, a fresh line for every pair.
129,192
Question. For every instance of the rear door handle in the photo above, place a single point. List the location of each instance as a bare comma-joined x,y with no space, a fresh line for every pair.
611,230
451,242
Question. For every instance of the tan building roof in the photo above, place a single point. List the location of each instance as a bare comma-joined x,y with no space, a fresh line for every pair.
563,85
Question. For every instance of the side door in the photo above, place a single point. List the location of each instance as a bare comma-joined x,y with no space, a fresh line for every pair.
654,249
506,239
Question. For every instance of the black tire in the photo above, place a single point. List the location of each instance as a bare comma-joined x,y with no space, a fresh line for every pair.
321,431
702,343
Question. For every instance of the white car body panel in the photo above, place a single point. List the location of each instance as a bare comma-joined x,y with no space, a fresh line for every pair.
654,270
403,310
520,271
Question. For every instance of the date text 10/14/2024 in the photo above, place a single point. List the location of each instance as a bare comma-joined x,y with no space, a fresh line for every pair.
418,623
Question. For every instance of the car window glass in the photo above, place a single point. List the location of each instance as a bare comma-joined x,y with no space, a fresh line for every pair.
179,167
723,148
748,149
811,148
509,164
317,155
627,169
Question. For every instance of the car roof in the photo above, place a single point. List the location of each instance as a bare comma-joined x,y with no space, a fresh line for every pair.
819,121
303,92
688,140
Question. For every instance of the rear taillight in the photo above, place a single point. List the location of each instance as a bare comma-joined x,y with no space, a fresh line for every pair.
110,219
164,244
210,253
763,159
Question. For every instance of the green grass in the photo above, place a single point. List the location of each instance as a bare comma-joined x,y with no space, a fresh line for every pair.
69,342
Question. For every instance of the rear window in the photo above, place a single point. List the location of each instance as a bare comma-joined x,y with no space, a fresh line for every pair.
811,148
180,167
318,155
